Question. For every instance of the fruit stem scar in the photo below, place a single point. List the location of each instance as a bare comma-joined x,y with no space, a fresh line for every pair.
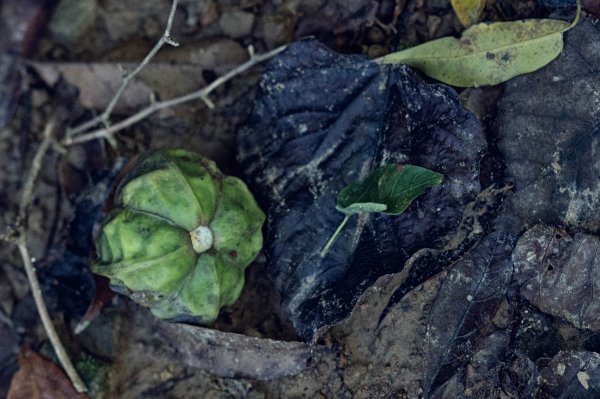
202,239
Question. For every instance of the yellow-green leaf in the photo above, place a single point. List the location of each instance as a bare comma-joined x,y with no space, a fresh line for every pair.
487,54
468,11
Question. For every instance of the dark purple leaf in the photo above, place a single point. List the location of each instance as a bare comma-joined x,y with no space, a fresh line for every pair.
321,121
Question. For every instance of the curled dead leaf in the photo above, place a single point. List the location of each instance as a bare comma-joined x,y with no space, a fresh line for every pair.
39,378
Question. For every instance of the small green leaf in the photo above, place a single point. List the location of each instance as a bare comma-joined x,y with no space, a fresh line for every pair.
388,189
487,54
393,186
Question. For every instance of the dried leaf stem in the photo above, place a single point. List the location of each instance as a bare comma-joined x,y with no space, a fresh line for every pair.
26,196
108,132
104,118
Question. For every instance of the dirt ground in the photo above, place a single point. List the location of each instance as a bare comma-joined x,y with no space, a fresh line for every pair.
62,64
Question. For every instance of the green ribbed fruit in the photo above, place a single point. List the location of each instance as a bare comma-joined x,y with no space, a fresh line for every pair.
180,236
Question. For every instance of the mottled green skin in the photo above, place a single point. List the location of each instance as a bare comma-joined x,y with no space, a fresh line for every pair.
144,247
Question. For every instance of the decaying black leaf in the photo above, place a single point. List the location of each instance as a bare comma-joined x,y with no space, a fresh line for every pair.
9,87
572,374
560,274
64,272
549,132
519,376
321,121
479,377
534,333
465,305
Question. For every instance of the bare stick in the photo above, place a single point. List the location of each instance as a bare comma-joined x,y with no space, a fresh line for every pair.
108,132
36,165
26,196
104,117
60,351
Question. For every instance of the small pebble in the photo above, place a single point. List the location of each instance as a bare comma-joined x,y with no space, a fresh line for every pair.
237,23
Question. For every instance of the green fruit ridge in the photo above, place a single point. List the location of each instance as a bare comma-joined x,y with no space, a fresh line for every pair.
180,236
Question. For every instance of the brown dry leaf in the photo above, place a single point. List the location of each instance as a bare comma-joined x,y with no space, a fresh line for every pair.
39,378
468,11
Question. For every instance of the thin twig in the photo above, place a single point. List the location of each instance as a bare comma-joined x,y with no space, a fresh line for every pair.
108,132
105,116
60,351
36,165
26,197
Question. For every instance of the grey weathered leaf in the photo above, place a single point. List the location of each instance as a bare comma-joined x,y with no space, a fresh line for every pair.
464,306
548,124
560,274
391,334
